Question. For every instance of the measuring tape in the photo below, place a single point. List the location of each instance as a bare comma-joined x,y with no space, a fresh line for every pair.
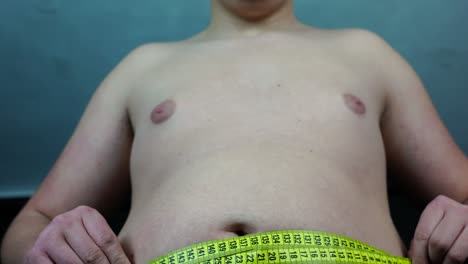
289,246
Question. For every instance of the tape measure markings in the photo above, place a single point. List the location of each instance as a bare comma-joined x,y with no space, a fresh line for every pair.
280,247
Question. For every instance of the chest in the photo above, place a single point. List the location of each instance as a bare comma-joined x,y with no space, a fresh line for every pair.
268,88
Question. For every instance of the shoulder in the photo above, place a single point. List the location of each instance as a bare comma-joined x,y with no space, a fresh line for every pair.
379,53
373,51
357,45
124,76
362,39
366,46
136,63
146,55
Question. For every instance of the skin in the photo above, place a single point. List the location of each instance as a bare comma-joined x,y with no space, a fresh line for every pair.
258,123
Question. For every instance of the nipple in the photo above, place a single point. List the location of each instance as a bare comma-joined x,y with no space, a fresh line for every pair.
355,104
163,111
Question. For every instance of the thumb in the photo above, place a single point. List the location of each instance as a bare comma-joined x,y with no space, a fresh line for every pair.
429,220
418,251
102,234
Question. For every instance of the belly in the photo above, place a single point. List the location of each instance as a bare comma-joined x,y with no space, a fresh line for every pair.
222,196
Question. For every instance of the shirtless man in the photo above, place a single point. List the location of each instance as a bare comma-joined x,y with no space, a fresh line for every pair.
258,123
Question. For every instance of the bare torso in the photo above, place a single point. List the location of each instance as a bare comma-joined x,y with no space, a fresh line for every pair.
274,132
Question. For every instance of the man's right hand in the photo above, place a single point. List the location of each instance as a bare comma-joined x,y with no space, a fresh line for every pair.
81,235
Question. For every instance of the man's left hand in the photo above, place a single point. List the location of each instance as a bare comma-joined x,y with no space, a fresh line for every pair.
441,235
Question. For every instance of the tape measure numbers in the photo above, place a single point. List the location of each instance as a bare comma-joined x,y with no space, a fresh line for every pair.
289,246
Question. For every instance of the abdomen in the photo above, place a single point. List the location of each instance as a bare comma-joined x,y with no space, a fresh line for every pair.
251,190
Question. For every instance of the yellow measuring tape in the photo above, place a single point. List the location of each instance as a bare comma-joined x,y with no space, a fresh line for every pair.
289,246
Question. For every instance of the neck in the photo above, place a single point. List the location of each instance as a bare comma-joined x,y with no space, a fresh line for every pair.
226,24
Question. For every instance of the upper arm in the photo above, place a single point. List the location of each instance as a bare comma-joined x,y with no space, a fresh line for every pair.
93,168
419,148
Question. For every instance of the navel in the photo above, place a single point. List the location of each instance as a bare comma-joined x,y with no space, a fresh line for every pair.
355,104
163,111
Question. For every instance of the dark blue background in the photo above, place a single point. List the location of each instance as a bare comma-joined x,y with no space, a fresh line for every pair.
53,54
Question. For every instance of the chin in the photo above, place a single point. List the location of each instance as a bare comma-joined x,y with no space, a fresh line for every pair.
253,9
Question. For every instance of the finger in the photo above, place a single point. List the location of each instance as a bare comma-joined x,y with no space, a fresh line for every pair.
444,236
104,237
83,245
41,258
428,221
458,253
60,252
